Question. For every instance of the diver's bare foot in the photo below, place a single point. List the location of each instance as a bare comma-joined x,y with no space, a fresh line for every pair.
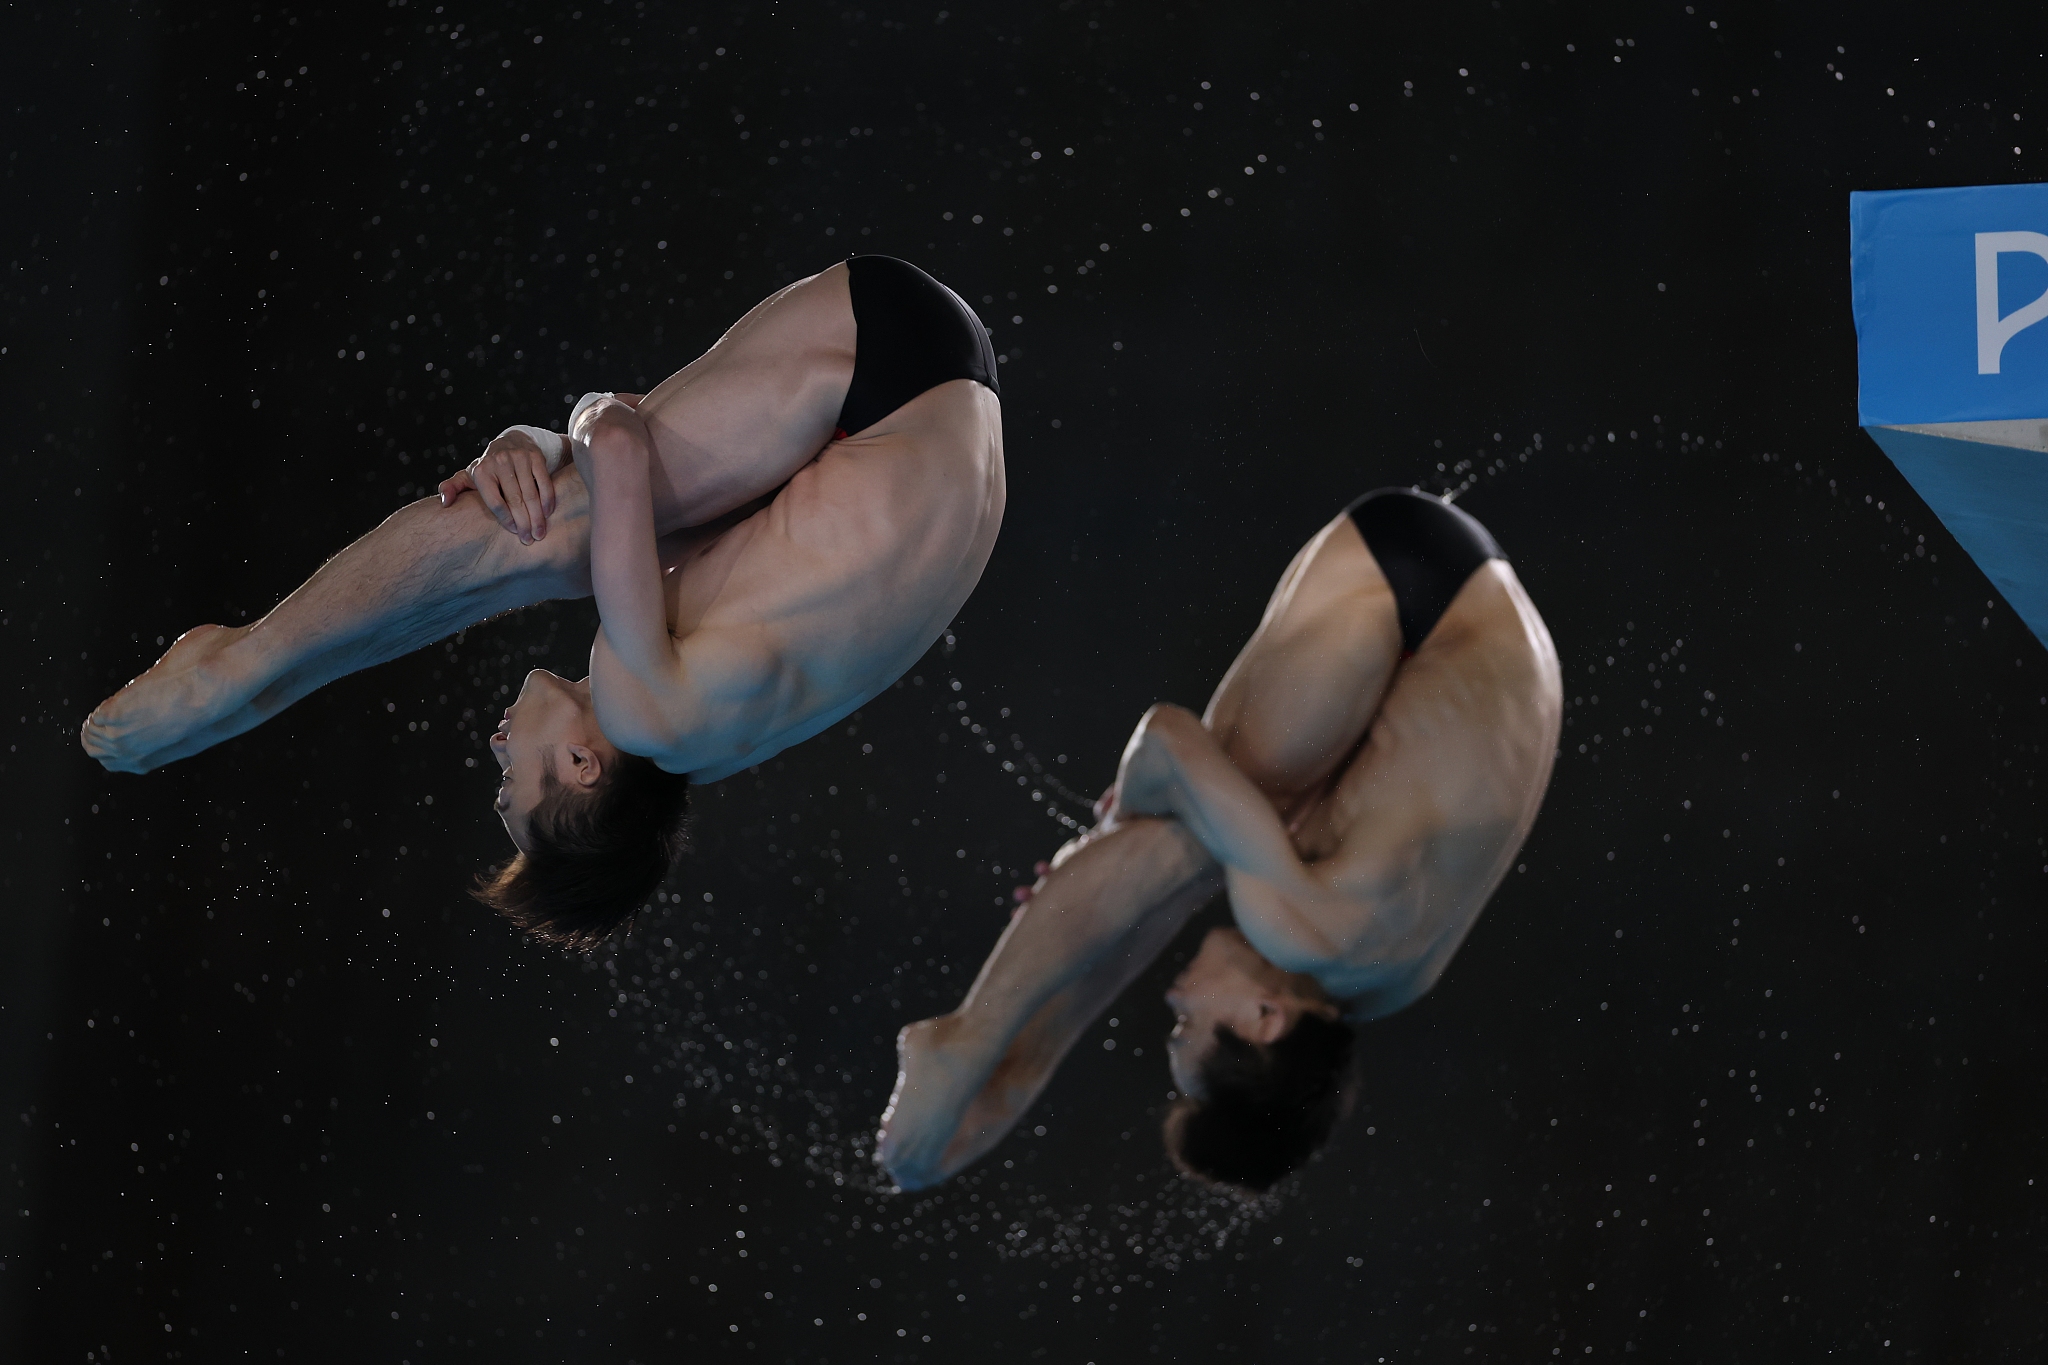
996,1107
184,691
935,1082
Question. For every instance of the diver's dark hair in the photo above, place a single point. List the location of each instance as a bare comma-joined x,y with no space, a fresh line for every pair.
593,857
1268,1108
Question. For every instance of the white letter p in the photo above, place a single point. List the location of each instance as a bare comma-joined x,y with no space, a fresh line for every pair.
1993,331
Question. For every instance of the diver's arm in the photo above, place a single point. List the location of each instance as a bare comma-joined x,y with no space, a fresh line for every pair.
625,563
1174,767
636,669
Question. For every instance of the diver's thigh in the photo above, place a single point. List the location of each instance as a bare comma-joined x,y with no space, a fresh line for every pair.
760,404
1466,734
1302,692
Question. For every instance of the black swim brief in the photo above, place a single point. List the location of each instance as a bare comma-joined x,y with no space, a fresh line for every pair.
1426,548
912,334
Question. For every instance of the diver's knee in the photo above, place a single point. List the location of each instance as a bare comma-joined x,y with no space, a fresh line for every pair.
614,429
1155,748
604,423
1165,723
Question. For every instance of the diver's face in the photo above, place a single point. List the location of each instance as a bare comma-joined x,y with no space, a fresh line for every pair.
549,726
1230,984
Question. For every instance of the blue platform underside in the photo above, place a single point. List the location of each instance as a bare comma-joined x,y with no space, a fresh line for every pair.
1994,500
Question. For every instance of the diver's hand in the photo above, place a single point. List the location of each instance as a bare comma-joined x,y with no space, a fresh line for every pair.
1021,894
512,478
1106,820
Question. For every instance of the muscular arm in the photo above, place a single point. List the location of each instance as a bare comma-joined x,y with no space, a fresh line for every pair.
1174,767
1098,920
635,669
424,573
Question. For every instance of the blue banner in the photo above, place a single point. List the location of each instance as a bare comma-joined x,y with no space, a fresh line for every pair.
1951,300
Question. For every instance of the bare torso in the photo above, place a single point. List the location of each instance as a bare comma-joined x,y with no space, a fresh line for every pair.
851,572
789,615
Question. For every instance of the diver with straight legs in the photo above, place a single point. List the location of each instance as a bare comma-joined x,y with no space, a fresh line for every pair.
773,535
1359,785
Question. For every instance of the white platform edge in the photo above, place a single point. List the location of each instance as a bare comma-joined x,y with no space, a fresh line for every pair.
2029,433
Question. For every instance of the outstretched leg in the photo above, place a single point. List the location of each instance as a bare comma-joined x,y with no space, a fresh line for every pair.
1113,901
425,572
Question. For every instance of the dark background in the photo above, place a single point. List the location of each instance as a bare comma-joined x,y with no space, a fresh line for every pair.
1744,1066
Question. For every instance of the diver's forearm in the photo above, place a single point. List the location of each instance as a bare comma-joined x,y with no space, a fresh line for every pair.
625,563
1173,767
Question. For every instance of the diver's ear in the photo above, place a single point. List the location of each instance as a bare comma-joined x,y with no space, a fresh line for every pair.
586,766
1273,1022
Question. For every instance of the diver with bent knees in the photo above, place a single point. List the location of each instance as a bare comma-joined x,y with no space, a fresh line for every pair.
1359,785
773,535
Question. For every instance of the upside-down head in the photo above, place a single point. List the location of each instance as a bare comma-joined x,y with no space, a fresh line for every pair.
597,828
1263,1063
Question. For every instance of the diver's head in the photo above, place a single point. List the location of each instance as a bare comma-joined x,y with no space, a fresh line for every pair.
596,828
1260,1057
